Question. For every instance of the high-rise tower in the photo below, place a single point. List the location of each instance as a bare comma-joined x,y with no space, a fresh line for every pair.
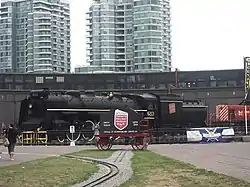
34,36
128,36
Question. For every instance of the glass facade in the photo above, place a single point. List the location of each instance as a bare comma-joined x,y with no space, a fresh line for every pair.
39,36
6,33
128,36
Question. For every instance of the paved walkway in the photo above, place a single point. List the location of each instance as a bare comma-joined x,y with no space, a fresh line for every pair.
232,159
27,153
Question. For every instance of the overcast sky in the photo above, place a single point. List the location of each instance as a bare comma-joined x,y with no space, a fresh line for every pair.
206,34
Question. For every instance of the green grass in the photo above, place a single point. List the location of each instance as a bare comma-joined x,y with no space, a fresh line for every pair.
153,170
93,153
49,172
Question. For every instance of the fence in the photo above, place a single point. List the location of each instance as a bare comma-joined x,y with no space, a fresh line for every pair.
33,138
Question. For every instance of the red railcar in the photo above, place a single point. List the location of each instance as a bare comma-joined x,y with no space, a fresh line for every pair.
124,124
227,113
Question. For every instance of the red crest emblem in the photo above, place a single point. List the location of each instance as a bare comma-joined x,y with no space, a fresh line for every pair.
120,119
171,107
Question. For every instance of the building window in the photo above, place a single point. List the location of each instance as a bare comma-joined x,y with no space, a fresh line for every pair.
232,83
213,84
39,80
59,79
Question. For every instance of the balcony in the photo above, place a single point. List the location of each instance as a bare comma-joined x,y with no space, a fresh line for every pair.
119,26
89,23
119,38
122,50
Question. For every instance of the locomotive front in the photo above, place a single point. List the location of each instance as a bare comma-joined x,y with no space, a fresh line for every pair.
33,110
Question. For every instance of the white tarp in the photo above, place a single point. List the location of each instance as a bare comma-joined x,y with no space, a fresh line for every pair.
194,136
228,132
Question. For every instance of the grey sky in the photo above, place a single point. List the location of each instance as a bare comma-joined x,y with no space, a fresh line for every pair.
206,34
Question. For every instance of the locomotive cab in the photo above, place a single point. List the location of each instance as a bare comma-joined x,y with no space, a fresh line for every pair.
194,114
171,109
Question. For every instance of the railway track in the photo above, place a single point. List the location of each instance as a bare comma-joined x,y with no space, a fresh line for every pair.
113,169
120,156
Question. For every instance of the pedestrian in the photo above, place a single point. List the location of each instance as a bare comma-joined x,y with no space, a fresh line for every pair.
1,138
11,134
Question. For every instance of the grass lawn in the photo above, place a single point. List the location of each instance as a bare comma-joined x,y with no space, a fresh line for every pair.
94,153
153,170
49,172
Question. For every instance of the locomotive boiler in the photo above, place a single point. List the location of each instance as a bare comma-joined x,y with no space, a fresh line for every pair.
56,112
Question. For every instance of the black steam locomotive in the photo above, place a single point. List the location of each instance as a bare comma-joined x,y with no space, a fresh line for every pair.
56,112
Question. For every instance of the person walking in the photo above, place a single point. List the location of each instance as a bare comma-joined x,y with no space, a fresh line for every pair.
1,139
11,134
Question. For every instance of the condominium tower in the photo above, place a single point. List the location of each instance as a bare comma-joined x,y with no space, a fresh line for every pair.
34,36
128,36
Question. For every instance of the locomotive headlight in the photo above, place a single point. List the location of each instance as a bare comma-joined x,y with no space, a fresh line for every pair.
30,106
150,113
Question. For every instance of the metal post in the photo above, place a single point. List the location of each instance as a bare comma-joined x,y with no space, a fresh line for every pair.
14,108
246,118
230,119
72,131
176,77
169,90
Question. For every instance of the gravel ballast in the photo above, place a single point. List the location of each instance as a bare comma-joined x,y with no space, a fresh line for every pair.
122,159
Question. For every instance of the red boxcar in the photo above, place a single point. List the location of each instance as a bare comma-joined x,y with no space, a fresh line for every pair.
231,112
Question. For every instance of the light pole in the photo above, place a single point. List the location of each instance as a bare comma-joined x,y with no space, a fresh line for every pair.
245,107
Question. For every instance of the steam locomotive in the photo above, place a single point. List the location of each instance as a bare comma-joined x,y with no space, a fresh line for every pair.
55,112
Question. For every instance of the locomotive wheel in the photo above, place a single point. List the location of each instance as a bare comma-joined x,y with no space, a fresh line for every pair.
104,144
105,147
60,139
76,136
138,144
88,129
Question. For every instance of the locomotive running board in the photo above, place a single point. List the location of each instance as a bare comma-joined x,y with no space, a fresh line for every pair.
77,110
194,106
84,110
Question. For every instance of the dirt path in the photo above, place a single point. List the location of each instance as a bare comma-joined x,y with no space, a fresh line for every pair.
232,159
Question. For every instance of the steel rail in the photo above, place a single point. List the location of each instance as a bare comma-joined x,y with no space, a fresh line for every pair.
113,170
